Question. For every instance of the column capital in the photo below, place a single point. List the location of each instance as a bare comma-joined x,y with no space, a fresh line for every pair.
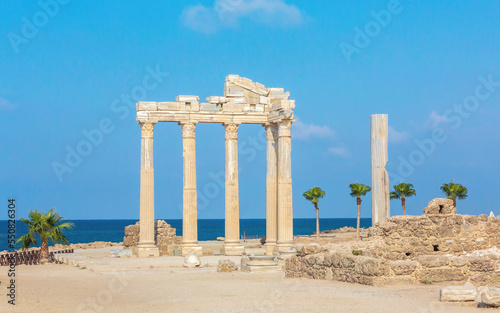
284,128
231,131
271,131
147,129
188,129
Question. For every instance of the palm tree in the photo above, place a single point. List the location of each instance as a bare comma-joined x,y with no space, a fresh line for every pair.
454,191
47,226
357,191
313,195
403,191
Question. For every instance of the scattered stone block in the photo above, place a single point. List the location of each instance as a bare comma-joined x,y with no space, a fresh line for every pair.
226,266
121,253
491,297
463,293
192,261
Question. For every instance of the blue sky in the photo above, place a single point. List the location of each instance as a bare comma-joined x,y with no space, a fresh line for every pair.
68,68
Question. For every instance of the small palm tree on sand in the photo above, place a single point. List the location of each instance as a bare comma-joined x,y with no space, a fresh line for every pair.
313,195
357,191
46,226
403,191
454,191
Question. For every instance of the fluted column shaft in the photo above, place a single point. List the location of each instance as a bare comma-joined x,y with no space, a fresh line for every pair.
285,207
232,243
189,211
271,188
146,246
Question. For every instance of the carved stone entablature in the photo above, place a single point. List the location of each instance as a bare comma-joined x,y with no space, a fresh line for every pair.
243,102
147,129
231,131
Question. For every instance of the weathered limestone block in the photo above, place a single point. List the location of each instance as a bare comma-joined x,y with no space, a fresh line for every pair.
146,106
481,264
212,107
466,292
431,261
192,261
165,237
368,266
216,100
168,106
437,275
491,297
310,249
440,206
189,99
283,104
226,266
403,267
458,261
278,93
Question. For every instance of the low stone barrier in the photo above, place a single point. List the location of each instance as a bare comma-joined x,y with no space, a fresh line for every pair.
438,231
312,262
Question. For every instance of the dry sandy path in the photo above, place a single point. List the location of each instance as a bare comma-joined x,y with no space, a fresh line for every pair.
65,288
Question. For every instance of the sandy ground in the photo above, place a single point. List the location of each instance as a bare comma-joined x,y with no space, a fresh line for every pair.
163,285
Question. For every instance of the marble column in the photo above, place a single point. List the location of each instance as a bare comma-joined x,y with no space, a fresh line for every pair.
379,158
146,246
232,243
285,207
189,204
271,188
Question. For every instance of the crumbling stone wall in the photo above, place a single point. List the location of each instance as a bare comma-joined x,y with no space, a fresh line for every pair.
165,237
313,262
439,231
439,246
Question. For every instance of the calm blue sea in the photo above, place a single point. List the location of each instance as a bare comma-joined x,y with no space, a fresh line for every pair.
113,230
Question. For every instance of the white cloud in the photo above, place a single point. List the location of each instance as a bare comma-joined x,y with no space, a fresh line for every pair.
227,13
435,119
339,151
6,105
395,136
304,131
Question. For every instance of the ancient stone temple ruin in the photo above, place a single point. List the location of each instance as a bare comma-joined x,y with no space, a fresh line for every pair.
244,102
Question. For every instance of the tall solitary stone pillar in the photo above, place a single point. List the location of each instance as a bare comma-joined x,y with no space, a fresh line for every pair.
146,246
271,188
189,207
285,208
232,243
379,159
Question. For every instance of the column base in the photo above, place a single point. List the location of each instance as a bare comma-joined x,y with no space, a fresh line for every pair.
147,251
191,249
232,249
285,246
270,248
